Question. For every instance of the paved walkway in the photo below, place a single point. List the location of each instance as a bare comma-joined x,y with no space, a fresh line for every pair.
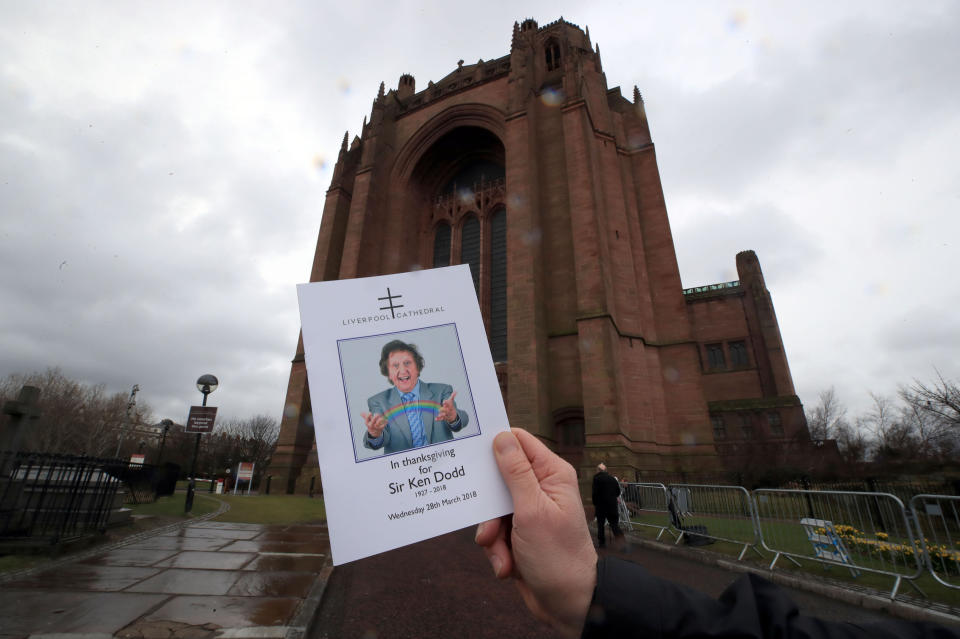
190,581
441,587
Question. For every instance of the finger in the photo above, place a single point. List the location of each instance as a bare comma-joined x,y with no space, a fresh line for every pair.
515,468
544,462
500,559
452,395
366,417
487,532
498,551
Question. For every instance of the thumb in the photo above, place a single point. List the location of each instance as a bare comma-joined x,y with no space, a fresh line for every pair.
515,469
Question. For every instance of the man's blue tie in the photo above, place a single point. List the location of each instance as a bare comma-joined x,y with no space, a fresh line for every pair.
413,417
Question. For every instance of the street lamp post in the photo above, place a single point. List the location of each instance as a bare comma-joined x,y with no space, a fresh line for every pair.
206,385
166,423
126,419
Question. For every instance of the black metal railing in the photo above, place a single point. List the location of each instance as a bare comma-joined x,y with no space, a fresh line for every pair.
50,497
54,496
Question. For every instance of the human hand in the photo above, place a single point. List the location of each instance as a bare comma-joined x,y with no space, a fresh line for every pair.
375,423
545,544
448,410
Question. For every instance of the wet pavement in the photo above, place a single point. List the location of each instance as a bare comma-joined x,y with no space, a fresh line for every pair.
193,581
441,587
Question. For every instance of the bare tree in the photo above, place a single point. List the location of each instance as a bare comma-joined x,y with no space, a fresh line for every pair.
827,417
897,432
75,418
935,436
249,440
95,433
852,442
941,398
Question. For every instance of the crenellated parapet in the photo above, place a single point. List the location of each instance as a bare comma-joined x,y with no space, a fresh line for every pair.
559,21
464,77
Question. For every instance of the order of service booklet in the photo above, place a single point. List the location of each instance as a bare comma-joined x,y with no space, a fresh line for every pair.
405,407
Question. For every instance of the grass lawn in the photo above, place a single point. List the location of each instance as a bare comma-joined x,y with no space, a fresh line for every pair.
273,509
253,509
202,484
172,506
19,562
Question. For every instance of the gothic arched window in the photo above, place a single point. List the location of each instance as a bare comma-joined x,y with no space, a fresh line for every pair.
463,179
441,245
552,50
470,248
498,285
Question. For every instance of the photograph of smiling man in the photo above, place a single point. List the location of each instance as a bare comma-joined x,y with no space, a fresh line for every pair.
412,413
406,390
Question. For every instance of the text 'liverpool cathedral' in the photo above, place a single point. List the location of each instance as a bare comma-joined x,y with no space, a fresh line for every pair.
529,169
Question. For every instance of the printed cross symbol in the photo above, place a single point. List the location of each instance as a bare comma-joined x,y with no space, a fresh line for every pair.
390,305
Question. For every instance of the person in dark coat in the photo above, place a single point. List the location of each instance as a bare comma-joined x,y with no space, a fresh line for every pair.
606,490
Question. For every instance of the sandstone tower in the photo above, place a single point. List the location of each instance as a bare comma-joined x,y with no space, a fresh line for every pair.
544,180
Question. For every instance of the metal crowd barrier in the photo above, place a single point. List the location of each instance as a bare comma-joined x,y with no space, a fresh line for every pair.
721,513
853,530
647,505
622,511
938,530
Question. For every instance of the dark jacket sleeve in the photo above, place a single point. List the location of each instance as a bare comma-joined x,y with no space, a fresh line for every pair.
630,602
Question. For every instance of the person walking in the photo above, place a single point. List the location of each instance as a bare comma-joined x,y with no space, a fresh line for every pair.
606,490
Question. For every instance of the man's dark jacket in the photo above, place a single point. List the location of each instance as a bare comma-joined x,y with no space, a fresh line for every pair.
606,489
630,602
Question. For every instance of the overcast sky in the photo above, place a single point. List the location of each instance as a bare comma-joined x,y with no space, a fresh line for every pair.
163,169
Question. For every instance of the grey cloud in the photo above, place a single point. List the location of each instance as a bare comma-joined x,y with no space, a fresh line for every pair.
96,279
855,96
707,247
929,329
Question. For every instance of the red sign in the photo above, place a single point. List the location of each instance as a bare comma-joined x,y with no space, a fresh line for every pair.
245,471
137,459
201,419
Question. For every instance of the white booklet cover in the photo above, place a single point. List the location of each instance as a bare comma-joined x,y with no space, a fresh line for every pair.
369,343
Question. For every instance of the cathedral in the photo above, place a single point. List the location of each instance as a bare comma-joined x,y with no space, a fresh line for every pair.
544,180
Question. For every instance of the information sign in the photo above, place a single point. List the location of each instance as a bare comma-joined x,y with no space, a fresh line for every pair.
201,419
